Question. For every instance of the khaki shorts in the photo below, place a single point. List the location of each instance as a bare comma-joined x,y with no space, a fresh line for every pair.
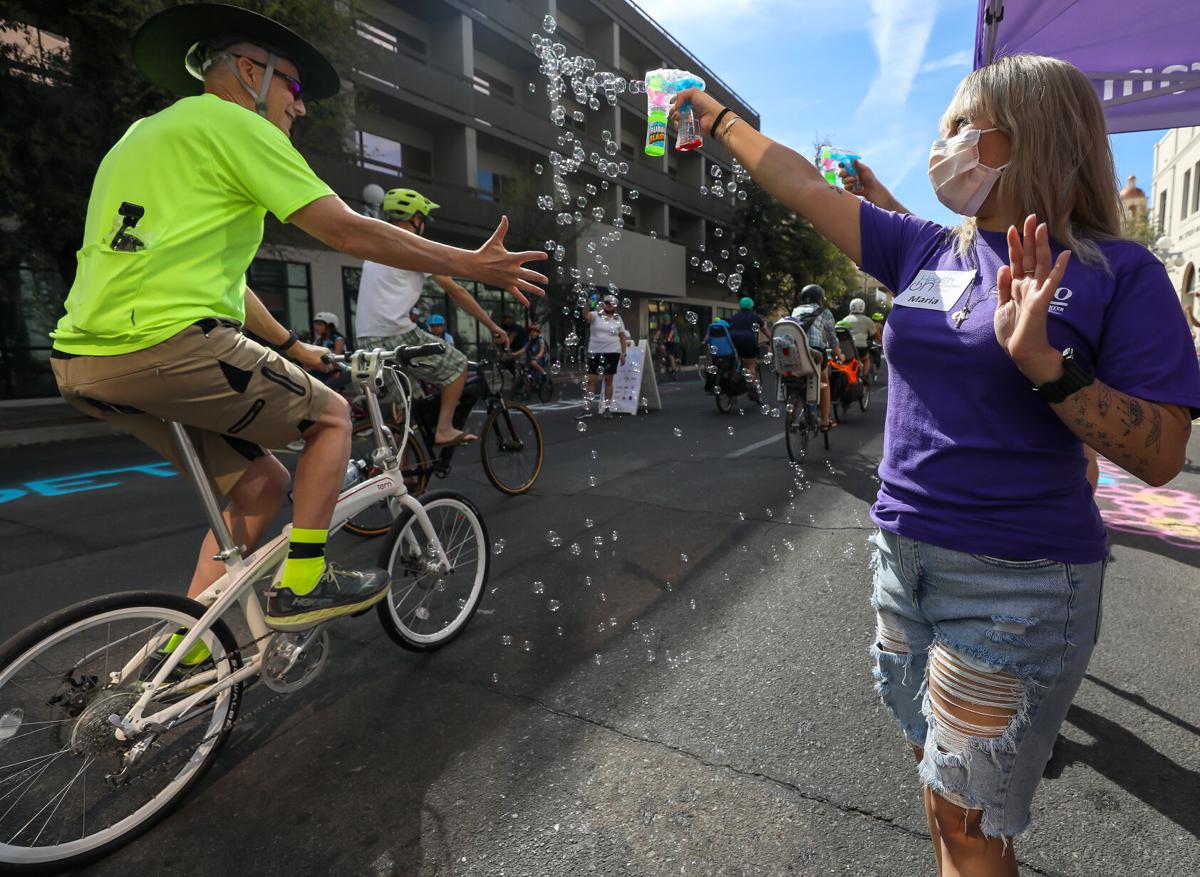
235,396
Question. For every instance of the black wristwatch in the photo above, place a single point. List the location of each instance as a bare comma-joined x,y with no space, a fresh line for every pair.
292,338
1076,375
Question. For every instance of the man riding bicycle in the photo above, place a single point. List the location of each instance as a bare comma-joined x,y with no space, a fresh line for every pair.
386,298
153,321
863,330
822,336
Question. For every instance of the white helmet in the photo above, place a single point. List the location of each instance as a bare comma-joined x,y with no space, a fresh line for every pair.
858,306
326,317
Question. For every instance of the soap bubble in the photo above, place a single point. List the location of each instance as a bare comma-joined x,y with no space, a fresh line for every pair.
742,251
581,426
678,432
554,606
729,429
506,640
498,546
693,317
626,303
539,587
549,24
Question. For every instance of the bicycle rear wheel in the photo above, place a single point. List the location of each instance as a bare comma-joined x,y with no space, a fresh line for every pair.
795,429
69,788
425,610
545,389
865,399
512,448
725,401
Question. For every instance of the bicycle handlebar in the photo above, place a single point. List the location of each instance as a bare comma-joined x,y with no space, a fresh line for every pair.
403,355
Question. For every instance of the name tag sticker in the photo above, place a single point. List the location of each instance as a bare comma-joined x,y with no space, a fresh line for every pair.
936,290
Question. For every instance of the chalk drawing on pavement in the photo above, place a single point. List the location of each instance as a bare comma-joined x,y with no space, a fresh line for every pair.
1128,505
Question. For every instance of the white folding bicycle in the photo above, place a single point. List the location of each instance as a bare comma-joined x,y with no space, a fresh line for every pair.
104,726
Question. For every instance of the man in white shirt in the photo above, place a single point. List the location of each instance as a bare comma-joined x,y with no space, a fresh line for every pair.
387,298
607,339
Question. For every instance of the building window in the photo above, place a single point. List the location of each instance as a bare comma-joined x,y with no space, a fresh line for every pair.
490,184
387,37
1162,211
1187,187
1196,188
379,153
284,288
351,278
487,84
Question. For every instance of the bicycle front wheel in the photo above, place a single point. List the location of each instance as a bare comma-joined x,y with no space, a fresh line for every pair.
545,389
426,608
512,448
71,789
865,399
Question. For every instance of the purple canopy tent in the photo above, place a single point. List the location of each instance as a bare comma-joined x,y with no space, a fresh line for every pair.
1143,58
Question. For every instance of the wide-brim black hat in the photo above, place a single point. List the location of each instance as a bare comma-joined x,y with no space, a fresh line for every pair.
162,43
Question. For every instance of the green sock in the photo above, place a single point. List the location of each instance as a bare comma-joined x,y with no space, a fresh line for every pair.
197,653
305,561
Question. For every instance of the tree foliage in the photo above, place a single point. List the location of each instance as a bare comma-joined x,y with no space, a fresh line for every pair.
787,253
64,110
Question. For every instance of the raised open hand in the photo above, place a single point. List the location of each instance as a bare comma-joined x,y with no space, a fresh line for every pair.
1026,289
496,266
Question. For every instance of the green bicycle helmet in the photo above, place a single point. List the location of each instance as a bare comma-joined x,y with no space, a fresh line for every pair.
877,317
746,303
403,204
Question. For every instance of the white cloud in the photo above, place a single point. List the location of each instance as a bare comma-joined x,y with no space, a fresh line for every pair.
963,58
899,33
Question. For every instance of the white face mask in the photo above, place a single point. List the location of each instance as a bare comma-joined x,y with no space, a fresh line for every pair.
959,180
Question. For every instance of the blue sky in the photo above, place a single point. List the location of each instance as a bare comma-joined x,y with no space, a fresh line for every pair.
871,75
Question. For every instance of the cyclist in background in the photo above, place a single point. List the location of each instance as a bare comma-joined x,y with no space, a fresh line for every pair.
668,342
822,336
387,299
536,353
437,328
152,330
863,331
748,329
326,334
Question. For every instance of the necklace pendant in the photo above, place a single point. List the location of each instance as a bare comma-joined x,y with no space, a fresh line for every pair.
959,316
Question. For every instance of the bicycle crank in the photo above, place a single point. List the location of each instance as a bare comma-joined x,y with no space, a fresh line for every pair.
293,659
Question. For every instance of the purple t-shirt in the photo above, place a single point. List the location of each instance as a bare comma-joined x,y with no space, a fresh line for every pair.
973,460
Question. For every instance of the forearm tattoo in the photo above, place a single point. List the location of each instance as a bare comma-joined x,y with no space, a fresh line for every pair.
1127,430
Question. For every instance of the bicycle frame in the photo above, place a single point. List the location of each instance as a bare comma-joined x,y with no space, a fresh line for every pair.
235,586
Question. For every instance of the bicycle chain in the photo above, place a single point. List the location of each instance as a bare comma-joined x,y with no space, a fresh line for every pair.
223,729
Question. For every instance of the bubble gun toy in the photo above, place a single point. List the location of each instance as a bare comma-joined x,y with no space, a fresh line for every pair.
661,86
830,157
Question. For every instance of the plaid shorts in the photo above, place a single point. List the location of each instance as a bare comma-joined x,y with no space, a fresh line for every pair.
443,369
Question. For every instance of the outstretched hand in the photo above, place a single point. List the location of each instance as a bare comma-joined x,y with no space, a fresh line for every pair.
1026,289
496,266
862,182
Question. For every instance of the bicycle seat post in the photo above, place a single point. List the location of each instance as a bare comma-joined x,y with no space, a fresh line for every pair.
229,553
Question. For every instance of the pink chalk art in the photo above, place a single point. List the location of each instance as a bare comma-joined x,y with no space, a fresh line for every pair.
1130,506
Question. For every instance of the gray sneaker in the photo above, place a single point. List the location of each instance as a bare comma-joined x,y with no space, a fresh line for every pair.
338,592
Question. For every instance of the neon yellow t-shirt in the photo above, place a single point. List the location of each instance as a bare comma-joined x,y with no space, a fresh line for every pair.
206,171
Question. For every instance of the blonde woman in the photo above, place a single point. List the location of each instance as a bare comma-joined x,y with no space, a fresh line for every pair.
1040,331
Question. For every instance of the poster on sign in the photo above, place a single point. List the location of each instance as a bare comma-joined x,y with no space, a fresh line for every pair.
635,382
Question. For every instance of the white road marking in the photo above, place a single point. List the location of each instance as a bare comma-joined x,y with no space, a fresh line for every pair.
756,445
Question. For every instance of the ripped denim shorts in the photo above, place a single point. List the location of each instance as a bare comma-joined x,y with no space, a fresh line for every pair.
978,659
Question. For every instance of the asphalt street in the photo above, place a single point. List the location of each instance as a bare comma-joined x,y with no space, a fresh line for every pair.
700,702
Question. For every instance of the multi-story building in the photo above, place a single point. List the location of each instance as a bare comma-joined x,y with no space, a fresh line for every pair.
450,101
1175,211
